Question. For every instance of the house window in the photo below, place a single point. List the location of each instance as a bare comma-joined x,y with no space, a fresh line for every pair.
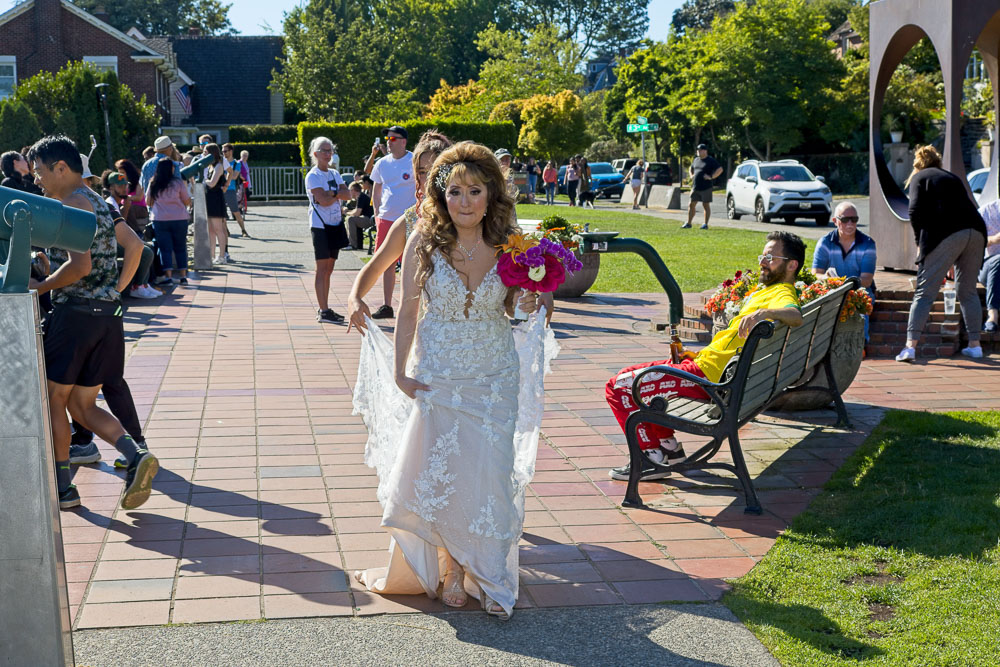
103,63
8,75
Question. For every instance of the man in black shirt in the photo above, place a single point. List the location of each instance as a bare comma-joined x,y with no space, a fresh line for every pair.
361,217
704,170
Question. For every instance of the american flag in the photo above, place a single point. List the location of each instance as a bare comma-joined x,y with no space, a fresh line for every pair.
183,95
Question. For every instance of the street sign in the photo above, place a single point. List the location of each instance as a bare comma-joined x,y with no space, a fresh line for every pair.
644,127
641,120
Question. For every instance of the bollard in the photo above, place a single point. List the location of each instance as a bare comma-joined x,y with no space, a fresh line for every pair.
202,241
35,627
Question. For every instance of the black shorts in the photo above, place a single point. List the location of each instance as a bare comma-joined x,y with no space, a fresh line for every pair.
215,203
328,241
702,195
83,348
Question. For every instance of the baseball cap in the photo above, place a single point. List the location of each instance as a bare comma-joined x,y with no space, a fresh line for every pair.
397,130
116,179
162,142
501,152
86,166
703,147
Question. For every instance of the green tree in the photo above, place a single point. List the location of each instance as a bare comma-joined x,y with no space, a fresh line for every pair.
336,67
835,11
553,125
607,150
165,17
771,73
510,110
18,126
455,102
697,15
522,66
66,102
593,115
605,26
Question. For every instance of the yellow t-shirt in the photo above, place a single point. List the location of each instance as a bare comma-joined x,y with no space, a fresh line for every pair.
713,359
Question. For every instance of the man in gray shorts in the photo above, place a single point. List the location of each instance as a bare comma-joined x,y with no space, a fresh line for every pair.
704,170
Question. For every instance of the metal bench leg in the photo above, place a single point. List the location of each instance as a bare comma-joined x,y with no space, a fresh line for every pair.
843,421
753,504
632,498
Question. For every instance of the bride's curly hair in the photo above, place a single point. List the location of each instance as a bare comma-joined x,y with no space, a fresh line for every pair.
466,162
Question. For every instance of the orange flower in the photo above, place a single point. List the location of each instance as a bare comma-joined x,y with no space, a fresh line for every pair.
517,243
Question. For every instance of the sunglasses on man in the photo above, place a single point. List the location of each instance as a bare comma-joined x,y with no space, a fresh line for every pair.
394,138
769,258
849,218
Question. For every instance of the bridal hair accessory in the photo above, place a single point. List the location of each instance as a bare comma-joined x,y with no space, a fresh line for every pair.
444,172
534,265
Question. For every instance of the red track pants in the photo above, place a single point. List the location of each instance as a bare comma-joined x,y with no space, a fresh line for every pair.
618,391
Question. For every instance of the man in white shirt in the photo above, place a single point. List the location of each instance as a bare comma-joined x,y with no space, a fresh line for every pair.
989,275
395,191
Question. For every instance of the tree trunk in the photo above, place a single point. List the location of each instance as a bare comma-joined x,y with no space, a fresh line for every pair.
760,156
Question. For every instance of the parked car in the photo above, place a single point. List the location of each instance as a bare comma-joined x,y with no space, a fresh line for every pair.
659,173
977,181
781,189
603,178
622,165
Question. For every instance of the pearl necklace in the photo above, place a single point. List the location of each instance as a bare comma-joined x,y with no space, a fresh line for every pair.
469,253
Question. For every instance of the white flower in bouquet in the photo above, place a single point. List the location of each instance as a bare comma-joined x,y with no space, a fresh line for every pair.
536,273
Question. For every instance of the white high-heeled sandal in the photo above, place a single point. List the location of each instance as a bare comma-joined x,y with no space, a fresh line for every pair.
492,607
454,587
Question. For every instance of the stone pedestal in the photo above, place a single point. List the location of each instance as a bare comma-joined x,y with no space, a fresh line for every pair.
202,240
34,605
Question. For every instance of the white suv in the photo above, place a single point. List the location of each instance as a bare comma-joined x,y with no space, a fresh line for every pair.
782,189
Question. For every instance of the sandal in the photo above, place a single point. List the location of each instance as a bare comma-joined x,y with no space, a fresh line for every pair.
453,591
492,607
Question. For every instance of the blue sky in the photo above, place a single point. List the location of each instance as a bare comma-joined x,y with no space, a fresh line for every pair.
247,16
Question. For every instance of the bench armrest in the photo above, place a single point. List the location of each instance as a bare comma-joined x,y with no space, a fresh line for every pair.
710,388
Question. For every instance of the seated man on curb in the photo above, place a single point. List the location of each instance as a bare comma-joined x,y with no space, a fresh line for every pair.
847,252
774,299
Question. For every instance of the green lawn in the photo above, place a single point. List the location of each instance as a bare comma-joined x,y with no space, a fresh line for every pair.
897,562
697,260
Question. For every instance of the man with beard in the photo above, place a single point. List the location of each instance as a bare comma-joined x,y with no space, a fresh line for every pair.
774,299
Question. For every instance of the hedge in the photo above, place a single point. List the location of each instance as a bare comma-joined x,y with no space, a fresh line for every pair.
262,133
277,154
354,140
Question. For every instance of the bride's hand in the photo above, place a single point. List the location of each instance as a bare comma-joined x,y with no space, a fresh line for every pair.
357,310
409,386
528,301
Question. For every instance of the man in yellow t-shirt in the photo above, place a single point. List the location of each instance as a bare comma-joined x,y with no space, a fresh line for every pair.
774,299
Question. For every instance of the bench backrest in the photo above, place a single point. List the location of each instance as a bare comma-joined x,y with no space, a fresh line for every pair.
784,359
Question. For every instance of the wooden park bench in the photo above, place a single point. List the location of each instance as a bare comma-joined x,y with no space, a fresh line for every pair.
774,360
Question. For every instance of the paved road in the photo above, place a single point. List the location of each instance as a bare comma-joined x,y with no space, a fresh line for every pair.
692,635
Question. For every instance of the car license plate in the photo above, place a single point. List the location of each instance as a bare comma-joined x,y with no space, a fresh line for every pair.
805,205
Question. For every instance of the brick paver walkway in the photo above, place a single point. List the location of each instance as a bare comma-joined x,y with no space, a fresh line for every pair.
264,507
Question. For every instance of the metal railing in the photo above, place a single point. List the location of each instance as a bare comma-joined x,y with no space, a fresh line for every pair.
283,182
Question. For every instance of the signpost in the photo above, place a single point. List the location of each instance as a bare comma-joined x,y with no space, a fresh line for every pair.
642,127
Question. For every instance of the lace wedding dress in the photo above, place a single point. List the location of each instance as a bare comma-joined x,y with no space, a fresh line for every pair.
454,463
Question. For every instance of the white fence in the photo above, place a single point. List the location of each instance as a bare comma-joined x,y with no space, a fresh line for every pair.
283,182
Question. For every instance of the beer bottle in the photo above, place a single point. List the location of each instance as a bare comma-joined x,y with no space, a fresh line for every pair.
677,351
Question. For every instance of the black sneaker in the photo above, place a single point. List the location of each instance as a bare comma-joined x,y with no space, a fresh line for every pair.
69,498
84,454
383,313
139,480
329,316
121,463
650,471
184,281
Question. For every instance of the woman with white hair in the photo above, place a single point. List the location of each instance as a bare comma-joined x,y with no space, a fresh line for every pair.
325,189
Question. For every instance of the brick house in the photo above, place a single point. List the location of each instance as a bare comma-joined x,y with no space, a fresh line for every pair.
43,35
225,80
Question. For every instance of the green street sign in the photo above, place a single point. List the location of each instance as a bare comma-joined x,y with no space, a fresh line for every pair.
644,127
641,119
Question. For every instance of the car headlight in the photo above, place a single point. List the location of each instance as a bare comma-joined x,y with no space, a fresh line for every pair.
824,191
777,191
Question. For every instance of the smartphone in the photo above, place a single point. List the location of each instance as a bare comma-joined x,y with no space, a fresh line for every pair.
376,144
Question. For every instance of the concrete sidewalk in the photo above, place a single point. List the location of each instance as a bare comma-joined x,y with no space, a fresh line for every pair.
264,507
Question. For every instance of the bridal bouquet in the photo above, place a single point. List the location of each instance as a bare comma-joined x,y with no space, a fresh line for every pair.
534,265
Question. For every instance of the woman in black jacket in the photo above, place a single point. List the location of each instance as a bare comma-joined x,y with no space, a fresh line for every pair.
17,174
949,232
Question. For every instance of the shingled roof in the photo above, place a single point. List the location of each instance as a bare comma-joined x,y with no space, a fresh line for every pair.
231,75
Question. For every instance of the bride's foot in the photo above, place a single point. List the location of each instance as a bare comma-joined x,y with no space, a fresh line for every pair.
358,574
453,593
492,607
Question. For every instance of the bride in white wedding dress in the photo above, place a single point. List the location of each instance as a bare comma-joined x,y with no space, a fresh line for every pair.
454,416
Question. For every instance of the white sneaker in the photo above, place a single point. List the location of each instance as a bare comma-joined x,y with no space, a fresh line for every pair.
908,354
150,292
655,455
219,260
228,258
973,352
141,293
